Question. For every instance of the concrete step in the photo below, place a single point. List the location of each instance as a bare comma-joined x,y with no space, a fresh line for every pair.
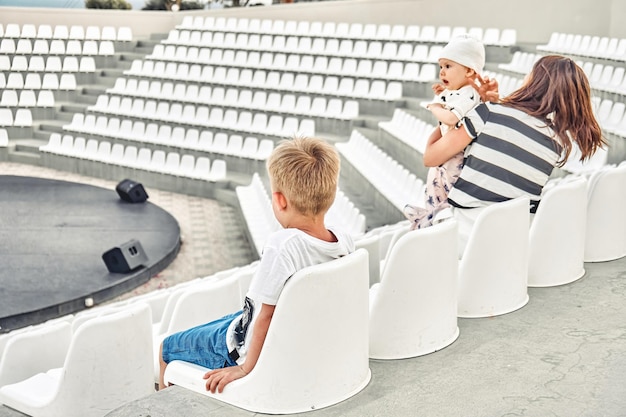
23,157
29,145
52,125
71,108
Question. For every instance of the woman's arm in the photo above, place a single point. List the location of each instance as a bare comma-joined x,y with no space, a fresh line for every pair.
217,379
439,148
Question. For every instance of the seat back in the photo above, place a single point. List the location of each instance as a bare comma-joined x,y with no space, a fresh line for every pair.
605,236
493,273
557,235
205,302
413,311
33,351
111,352
316,350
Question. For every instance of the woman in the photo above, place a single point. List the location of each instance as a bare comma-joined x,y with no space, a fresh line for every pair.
514,143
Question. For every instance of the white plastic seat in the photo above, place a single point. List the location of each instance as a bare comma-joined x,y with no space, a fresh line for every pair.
50,82
30,352
15,81
67,82
7,46
325,358
44,31
413,310
27,98
23,118
107,351
9,98
45,98
6,117
605,236
218,170
493,272
557,235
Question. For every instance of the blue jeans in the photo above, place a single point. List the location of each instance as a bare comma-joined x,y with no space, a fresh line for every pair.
204,345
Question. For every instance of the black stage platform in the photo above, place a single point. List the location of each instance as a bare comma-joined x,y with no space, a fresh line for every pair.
52,237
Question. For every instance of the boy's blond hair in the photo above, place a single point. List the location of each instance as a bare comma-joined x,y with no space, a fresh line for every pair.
306,171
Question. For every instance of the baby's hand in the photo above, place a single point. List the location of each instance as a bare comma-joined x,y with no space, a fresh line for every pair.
438,88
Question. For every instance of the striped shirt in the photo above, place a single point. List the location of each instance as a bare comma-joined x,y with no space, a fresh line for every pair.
511,155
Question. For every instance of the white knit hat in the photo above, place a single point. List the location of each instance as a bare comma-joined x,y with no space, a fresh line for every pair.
465,50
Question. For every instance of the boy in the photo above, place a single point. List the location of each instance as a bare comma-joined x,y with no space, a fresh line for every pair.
303,174
460,62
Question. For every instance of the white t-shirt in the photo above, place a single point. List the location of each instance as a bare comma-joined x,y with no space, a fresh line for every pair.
286,252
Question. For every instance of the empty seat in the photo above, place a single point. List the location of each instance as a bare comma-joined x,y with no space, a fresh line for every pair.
493,272
413,310
104,350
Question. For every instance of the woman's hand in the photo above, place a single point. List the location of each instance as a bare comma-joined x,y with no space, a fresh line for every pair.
487,88
217,379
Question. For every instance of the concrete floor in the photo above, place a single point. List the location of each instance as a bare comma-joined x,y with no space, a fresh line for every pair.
563,354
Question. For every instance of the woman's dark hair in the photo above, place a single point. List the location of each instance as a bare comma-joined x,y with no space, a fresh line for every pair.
558,92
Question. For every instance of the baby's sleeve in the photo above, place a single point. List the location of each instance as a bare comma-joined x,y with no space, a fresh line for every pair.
462,103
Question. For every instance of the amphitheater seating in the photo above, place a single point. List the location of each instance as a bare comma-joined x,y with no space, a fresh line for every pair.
586,45
392,180
343,30
192,105
409,129
117,154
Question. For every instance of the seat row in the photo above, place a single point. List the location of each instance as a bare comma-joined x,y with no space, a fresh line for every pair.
399,32
27,98
51,63
56,47
409,129
391,179
171,163
611,115
601,76
34,81
77,32
320,64
171,47
18,118
272,80
214,117
303,105
179,137
586,45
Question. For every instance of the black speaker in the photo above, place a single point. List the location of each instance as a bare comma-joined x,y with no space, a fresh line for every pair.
131,191
126,257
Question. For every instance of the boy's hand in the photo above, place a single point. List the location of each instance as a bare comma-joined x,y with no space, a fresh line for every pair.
438,88
217,379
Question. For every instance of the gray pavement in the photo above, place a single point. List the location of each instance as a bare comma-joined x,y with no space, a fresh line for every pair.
563,354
